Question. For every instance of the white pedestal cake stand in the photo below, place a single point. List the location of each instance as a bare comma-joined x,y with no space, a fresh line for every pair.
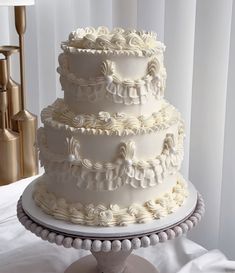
110,246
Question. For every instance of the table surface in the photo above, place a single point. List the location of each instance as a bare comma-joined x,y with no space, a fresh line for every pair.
21,251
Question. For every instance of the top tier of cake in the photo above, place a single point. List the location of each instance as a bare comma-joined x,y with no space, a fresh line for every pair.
112,71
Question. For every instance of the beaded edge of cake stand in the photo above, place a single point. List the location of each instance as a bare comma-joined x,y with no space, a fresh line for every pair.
114,245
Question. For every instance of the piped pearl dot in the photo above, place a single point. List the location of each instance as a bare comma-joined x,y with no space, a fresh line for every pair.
71,157
109,79
129,162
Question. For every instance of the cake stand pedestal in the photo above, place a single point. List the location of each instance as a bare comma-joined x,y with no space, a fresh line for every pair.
111,248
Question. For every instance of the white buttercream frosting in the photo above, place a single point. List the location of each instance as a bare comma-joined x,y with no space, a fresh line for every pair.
113,147
117,39
111,215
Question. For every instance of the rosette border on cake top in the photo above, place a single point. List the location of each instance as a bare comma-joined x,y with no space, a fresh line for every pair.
121,41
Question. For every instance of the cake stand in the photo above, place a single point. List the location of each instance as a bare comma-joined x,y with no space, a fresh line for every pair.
110,247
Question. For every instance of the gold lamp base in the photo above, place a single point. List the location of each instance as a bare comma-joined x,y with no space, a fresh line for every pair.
25,123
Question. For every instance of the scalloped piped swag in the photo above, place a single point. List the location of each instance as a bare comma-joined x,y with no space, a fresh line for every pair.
125,169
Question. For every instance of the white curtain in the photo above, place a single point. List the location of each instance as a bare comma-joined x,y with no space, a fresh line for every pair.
200,61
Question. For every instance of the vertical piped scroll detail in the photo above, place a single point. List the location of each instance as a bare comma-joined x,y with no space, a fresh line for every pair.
127,151
107,68
153,67
158,75
73,149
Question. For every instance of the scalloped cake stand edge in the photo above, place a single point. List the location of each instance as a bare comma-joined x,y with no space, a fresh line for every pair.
111,255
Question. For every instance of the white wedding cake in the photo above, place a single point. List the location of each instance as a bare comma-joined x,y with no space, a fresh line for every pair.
112,147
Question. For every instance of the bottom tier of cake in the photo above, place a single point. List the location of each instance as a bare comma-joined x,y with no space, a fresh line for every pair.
112,214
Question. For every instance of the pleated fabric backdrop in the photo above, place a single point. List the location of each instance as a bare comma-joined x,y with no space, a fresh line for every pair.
200,62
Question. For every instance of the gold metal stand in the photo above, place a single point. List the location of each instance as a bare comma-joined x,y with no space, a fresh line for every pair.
18,152
25,122
13,88
20,24
9,141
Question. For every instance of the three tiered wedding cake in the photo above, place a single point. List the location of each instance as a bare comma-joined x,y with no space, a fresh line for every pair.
113,147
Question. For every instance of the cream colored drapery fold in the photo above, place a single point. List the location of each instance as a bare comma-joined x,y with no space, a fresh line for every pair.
200,62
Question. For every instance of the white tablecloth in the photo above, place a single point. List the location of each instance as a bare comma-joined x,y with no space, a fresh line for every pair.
23,252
